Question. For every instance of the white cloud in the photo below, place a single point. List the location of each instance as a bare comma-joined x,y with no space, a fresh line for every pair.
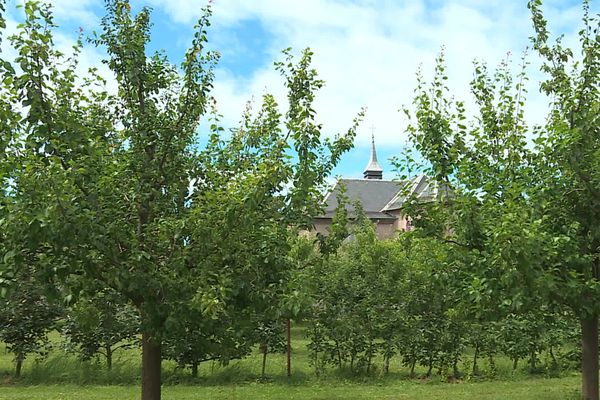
76,10
66,10
368,51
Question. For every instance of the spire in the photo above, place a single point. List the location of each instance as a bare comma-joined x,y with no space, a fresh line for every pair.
373,169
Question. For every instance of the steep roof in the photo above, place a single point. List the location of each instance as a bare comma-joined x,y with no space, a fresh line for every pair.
373,194
379,197
373,169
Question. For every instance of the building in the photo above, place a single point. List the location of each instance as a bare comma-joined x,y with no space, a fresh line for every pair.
381,199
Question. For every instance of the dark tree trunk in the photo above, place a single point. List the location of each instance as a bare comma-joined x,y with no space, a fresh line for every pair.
474,369
289,347
533,361
195,369
412,367
430,366
455,370
554,360
19,365
265,350
492,363
515,362
369,359
109,357
589,358
151,358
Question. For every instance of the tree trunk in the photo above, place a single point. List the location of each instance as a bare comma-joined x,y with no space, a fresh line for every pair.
194,369
339,354
533,361
412,367
265,349
109,357
554,360
19,366
455,370
492,363
386,365
515,362
589,358
151,358
474,369
289,347
369,358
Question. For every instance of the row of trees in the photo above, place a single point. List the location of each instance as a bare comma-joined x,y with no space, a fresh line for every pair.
364,302
414,298
99,325
110,194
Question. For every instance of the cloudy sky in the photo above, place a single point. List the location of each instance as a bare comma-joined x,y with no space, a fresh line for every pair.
367,51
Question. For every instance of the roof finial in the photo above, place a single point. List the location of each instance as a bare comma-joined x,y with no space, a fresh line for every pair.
373,169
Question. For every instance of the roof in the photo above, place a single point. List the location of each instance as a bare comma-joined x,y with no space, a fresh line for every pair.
421,187
369,214
379,197
373,194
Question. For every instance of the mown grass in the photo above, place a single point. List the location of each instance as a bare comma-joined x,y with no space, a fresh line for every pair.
63,376
539,388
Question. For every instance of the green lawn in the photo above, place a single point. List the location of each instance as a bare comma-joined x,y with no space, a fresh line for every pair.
540,388
64,377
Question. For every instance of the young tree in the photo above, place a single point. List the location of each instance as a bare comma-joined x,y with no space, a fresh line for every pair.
569,175
128,200
101,324
26,317
527,217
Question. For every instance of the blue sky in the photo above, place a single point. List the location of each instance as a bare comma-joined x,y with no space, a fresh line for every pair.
367,51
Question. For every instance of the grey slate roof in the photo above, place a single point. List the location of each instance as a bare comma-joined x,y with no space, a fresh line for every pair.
379,197
373,194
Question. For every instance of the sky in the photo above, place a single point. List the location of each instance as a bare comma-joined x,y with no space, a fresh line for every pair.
366,51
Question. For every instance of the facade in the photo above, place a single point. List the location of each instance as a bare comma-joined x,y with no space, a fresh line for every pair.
380,199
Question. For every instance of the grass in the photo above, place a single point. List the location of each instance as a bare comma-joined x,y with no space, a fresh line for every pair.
64,377
538,388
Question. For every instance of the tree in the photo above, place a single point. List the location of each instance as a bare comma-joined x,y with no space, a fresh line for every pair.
101,324
26,317
569,175
551,190
200,339
127,197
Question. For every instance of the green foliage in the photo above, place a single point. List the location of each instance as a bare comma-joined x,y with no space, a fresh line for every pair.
114,188
100,324
26,317
567,179
411,298
523,219
221,340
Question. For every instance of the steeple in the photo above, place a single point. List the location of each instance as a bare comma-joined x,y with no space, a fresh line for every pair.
373,169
